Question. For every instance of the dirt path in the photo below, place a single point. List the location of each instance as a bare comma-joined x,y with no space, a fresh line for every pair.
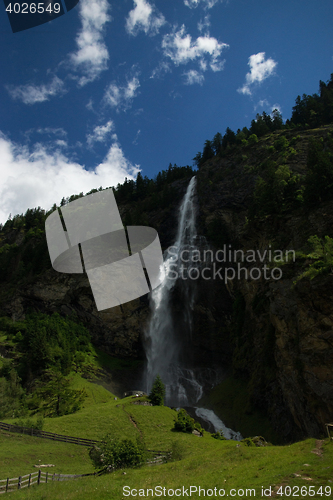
131,419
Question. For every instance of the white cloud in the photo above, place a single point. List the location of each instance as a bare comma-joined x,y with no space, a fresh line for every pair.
41,178
192,4
161,70
59,132
204,24
263,102
180,48
31,94
193,76
92,55
121,97
144,17
90,59
276,106
61,143
260,69
136,138
100,133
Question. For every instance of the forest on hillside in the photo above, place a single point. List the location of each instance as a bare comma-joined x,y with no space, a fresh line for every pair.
40,352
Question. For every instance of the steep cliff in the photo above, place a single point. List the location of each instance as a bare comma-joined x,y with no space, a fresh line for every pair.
272,333
281,329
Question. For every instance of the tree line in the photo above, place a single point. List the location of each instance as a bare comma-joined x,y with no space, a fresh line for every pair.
310,111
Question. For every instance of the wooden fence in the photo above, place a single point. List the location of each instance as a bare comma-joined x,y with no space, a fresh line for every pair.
64,439
17,483
328,430
48,435
160,458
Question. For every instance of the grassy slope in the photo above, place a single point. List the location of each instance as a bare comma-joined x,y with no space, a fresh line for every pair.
209,463
206,461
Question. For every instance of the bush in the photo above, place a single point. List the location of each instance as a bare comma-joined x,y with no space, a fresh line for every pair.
255,441
115,454
321,256
38,425
157,393
253,139
184,423
281,143
219,435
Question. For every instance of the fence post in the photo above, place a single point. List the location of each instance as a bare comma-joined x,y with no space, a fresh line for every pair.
328,432
39,474
7,484
46,477
19,483
53,476
29,481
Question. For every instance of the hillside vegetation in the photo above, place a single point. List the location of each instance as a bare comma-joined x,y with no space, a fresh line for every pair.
268,186
197,461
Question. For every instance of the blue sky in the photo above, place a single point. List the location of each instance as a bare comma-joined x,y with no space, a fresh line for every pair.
112,88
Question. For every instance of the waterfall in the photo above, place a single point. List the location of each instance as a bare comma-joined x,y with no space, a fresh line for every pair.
167,338
162,346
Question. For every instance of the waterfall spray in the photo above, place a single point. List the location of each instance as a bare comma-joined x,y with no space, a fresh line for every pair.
184,386
162,348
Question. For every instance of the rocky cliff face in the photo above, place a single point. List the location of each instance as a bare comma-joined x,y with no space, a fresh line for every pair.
281,333
276,336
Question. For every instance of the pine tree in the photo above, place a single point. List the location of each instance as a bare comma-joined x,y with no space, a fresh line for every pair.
157,393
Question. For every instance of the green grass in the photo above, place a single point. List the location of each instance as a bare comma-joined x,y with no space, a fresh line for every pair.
211,464
95,393
19,454
205,462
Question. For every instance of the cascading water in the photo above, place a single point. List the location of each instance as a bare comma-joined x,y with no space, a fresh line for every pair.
164,337
162,348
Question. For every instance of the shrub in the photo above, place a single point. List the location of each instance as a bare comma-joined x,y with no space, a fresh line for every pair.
157,393
248,442
253,139
38,425
255,441
115,454
281,143
219,435
184,423
321,256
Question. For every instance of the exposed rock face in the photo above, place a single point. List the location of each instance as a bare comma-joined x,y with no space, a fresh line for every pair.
281,333
303,320
117,330
275,335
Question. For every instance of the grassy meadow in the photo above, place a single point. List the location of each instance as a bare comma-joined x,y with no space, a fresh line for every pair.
198,461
